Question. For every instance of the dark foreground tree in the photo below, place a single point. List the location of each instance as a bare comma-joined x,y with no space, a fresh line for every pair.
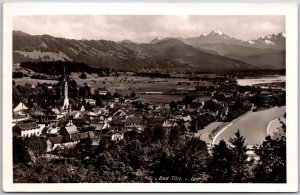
271,167
221,164
239,152
36,144
20,152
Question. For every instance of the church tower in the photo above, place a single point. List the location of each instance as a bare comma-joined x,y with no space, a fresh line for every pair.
66,97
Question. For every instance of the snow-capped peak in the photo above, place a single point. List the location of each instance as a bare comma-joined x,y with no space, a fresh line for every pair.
251,42
268,42
217,32
156,39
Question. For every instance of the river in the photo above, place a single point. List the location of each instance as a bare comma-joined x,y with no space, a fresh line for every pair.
252,126
253,81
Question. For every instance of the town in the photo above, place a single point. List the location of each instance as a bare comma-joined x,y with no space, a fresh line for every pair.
102,115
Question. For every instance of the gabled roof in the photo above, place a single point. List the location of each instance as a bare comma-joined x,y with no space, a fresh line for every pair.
55,110
28,126
20,106
75,137
134,120
56,140
17,116
71,129
98,126
112,132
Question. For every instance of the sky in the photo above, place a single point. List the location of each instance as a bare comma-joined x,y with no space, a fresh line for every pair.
145,28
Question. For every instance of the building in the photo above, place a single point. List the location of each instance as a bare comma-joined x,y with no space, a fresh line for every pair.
68,130
20,107
27,129
59,142
134,122
102,91
90,101
66,104
114,135
19,117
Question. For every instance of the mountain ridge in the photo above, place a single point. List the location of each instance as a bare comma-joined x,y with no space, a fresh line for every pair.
168,54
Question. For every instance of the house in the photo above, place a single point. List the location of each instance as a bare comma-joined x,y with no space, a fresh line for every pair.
114,135
101,91
120,113
60,141
68,130
101,111
27,129
168,124
50,131
132,134
19,117
134,122
90,101
181,106
95,137
21,106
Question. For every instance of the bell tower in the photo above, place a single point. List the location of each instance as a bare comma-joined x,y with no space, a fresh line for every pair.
66,97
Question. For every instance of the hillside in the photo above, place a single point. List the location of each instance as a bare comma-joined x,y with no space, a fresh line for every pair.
274,60
168,54
95,53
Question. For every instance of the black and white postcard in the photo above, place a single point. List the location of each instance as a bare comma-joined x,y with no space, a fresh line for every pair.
150,97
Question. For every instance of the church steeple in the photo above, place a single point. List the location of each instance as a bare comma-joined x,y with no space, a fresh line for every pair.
66,97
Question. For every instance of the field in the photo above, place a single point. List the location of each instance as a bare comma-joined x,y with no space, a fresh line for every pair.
125,84
160,99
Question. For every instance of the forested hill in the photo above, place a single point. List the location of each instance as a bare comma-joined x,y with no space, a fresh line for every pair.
169,55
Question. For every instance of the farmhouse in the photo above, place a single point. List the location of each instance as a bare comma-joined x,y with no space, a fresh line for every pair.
27,129
101,91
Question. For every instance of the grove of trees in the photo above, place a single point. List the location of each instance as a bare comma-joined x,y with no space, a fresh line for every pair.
166,157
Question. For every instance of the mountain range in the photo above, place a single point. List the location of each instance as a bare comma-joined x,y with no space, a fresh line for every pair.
213,52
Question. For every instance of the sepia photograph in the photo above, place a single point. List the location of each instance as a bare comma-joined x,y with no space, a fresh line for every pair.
158,98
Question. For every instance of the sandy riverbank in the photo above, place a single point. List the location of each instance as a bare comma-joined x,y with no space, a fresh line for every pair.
252,125
228,125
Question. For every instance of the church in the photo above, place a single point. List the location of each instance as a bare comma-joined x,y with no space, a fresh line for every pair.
66,107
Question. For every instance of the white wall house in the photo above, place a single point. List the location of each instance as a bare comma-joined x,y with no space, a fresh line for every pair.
27,129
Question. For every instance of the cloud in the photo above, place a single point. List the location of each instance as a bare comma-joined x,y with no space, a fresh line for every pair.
145,28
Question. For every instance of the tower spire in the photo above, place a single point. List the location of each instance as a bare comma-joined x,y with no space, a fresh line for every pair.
66,91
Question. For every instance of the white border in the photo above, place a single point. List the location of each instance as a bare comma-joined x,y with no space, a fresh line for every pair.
290,11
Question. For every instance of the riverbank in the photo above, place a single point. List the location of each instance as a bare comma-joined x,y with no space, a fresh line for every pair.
219,131
262,80
274,128
252,125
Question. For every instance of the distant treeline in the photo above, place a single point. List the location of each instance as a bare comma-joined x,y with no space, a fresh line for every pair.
57,67
246,72
258,72
153,75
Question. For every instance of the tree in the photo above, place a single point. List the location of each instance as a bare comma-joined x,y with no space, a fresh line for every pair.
132,95
221,166
20,152
271,167
83,149
83,75
173,105
175,133
239,151
36,144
